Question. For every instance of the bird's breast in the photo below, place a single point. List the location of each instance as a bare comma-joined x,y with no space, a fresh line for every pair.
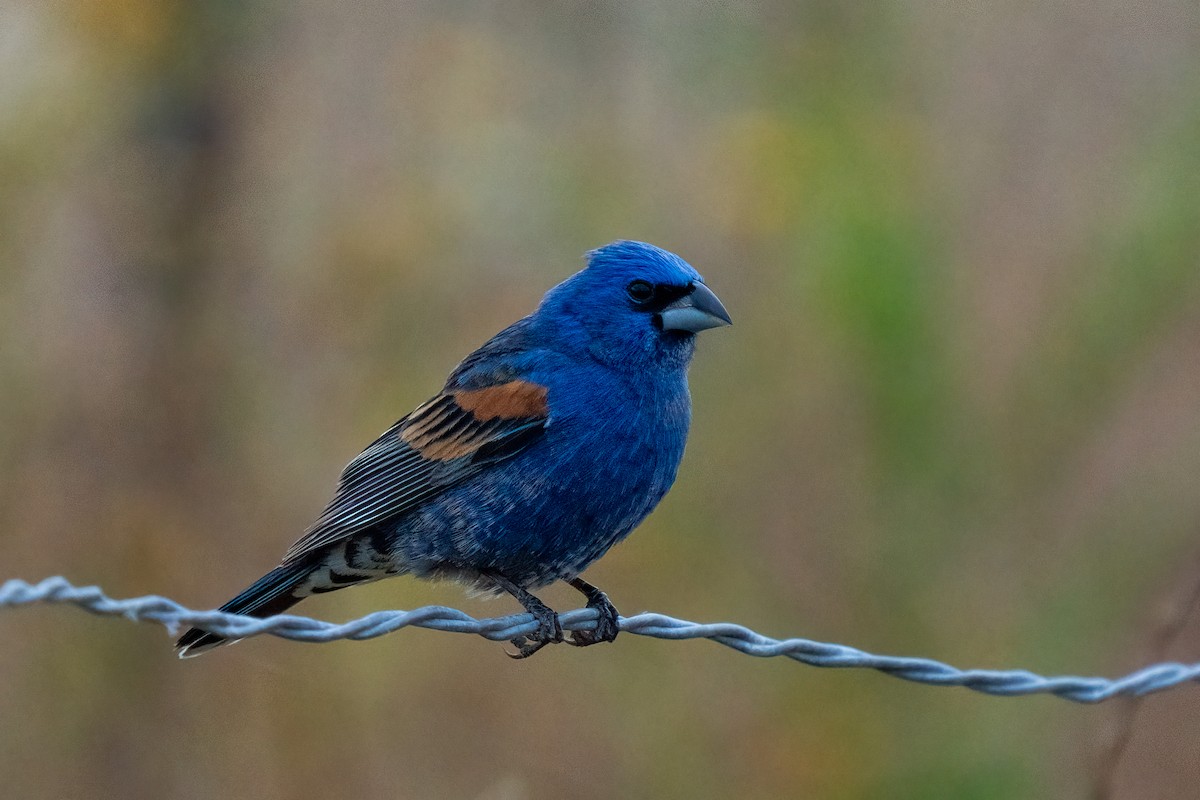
619,456
606,458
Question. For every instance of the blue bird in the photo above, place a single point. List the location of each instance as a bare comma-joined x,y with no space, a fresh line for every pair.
547,446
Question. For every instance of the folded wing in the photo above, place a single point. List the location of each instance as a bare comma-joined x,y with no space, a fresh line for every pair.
439,445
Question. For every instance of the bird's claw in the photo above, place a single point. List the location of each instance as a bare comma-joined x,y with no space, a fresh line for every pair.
549,631
607,623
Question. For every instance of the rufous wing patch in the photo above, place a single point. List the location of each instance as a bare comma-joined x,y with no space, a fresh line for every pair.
459,423
424,423
512,400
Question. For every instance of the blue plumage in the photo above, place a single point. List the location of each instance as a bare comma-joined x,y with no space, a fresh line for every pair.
547,445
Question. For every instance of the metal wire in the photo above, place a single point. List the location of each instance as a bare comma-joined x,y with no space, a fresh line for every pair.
173,616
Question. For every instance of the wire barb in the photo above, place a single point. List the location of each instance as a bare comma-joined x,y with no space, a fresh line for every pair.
173,616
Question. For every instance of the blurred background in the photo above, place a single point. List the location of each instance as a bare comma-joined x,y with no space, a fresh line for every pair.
958,415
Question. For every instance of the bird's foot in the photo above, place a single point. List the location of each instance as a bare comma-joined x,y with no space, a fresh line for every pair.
548,631
606,623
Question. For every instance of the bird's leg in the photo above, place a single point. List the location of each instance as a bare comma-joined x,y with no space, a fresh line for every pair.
549,631
606,623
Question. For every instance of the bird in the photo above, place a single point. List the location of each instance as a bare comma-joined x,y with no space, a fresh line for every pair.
546,446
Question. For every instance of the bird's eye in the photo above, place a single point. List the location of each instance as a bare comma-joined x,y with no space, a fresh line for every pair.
639,291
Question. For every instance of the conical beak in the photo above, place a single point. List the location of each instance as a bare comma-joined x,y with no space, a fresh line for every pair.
697,311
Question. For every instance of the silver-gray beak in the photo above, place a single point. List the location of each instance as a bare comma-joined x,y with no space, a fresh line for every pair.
696,311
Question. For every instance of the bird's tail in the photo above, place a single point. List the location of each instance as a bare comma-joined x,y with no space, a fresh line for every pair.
273,593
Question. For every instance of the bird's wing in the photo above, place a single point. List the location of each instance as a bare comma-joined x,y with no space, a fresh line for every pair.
445,441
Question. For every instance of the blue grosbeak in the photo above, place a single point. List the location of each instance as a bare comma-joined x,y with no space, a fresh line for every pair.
547,446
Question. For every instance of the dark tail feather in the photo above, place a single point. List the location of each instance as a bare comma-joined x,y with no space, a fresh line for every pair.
273,593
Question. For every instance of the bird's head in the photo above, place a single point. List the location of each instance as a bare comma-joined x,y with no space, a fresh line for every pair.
635,306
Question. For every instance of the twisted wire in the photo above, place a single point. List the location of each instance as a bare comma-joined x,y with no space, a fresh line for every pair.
173,616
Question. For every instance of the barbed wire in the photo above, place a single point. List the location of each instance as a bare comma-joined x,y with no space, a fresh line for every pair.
173,616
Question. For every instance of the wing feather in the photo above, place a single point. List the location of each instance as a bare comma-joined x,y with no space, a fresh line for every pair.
441,444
